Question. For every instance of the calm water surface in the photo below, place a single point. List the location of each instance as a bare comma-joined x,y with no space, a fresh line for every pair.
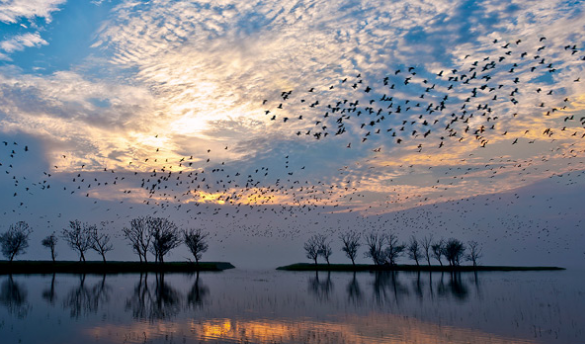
238,306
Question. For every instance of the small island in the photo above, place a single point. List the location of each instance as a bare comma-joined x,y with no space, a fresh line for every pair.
154,235
112,267
413,268
385,249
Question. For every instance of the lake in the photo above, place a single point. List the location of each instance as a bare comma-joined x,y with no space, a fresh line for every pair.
239,306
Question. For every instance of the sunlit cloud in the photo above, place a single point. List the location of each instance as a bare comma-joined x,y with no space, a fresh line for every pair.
204,85
19,43
12,10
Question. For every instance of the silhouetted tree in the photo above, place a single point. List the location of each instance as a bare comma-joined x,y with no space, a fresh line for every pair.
453,251
100,241
426,244
474,252
375,244
437,250
351,244
414,249
78,237
140,237
312,248
165,236
325,247
15,241
394,249
195,240
50,242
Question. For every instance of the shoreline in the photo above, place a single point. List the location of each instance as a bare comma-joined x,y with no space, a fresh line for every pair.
411,268
113,267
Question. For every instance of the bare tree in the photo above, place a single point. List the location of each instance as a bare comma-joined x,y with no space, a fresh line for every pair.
438,249
165,236
325,247
312,248
100,241
414,250
50,242
15,241
394,249
375,244
140,237
474,252
78,237
453,251
195,240
351,244
426,244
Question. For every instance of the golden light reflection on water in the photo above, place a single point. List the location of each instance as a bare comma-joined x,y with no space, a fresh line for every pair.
373,328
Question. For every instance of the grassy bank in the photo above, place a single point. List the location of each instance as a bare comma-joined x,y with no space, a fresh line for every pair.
369,267
94,267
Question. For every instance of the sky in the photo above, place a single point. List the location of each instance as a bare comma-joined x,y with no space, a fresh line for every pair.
264,123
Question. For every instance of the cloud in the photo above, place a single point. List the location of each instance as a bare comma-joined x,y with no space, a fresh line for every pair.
20,42
12,10
199,75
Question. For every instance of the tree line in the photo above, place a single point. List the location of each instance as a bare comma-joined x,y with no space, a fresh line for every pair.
154,235
386,249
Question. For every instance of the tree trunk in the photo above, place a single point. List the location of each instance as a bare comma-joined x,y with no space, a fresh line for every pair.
53,254
104,257
81,256
315,260
353,262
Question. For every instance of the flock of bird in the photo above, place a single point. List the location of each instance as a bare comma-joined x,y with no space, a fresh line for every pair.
424,112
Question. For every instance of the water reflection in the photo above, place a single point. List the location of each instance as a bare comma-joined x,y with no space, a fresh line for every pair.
383,307
323,288
49,294
83,300
354,291
394,286
457,287
13,296
197,295
388,287
158,300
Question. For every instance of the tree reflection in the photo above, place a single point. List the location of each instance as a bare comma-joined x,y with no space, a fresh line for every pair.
387,284
354,291
49,294
140,298
457,286
82,300
167,300
13,297
197,294
321,289
418,286
160,301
